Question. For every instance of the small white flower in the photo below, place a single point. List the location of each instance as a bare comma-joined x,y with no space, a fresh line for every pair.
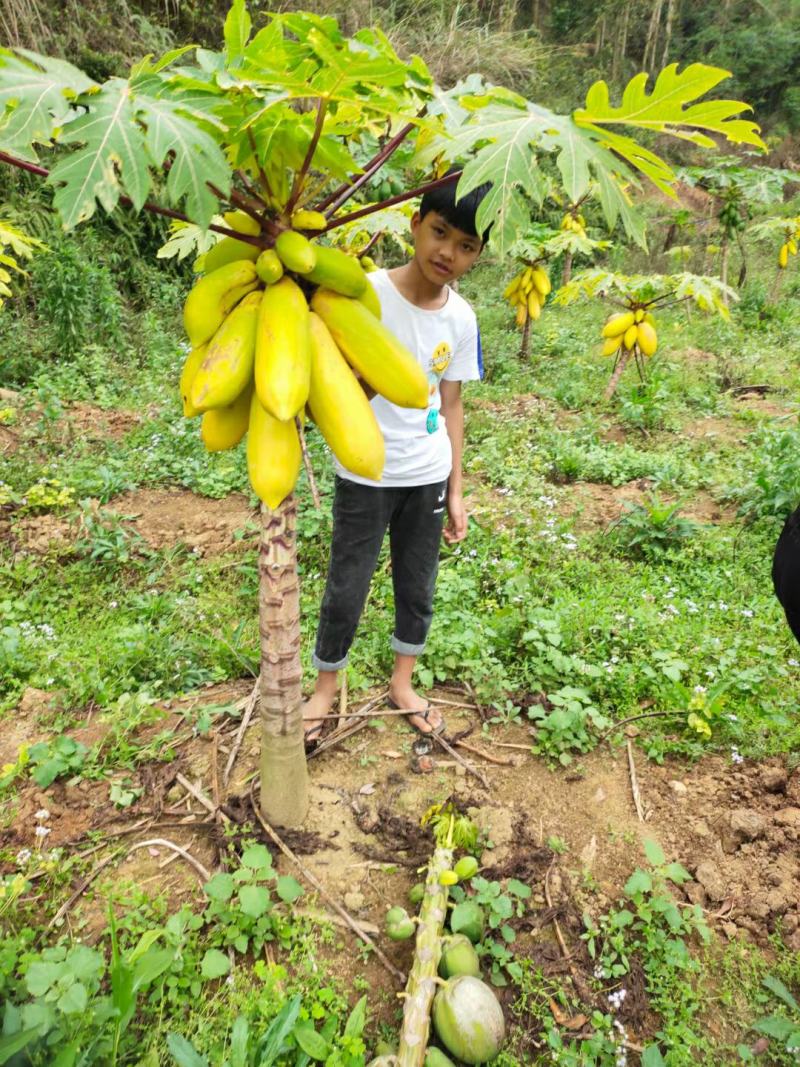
113,604
793,663
42,831
748,614
23,856
699,689
42,814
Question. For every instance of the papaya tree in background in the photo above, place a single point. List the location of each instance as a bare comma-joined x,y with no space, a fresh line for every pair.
276,122
631,331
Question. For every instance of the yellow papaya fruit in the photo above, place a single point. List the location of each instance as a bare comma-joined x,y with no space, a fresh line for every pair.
376,354
228,250
534,307
204,311
223,428
521,314
542,281
269,267
336,270
630,335
612,344
791,244
638,315
647,338
618,324
283,350
308,220
369,298
783,256
190,369
242,223
368,264
296,251
228,364
340,407
649,318
273,455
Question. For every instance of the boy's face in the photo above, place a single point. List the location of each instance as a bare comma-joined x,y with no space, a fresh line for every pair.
442,251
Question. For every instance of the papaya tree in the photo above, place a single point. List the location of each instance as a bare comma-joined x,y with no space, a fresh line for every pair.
737,190
273,126
630,333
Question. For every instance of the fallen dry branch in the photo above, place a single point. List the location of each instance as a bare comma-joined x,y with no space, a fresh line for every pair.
87,881
469,767
637,796
635,718
485,755
559,936
247,715
314,881
198,794
162,842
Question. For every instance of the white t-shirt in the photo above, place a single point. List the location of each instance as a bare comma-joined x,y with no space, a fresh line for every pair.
447,344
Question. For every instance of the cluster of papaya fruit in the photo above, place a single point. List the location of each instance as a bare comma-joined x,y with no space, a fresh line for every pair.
630,329
279,331
527,292
789,246
574,224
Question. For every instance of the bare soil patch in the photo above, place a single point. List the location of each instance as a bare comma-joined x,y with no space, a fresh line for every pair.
735,828
161,517
595,505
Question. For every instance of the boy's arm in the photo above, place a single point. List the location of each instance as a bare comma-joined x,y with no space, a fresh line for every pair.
453,412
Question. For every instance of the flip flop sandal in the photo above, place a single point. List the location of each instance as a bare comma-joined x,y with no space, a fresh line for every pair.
423,714
312,737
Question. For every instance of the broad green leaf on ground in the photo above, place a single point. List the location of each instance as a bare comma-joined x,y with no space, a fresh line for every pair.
671,108
36,93
113,152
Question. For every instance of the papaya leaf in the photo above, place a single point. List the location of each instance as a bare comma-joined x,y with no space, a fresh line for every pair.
113,152
237,30
39,90
196,157
670,107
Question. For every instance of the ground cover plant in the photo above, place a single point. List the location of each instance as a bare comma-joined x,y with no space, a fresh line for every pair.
610,608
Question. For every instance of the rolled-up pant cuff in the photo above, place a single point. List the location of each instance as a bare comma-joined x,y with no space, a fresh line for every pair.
322,665
405,649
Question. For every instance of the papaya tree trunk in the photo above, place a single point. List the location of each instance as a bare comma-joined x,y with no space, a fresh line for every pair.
566,273
422,978
284,777
613,381
725,252
525,346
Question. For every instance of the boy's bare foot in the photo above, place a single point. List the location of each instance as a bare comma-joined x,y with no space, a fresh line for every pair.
428,721
318,704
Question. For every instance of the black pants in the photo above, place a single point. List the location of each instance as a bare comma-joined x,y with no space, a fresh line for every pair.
361,515
786,571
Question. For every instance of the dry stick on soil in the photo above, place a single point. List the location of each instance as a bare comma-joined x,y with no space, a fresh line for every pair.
198,794
508,744
561,942
469,767
485,755
637,797
247,715
312,484
162,842
87,881
635,718
337,737
312,880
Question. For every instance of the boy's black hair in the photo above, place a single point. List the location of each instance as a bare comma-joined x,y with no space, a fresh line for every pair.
459,213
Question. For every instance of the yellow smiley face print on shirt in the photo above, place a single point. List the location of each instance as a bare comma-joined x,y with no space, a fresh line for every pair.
440,357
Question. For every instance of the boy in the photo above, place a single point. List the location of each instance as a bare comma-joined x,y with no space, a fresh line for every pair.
422,476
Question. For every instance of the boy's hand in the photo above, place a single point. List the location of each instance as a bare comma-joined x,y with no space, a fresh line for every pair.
456,526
